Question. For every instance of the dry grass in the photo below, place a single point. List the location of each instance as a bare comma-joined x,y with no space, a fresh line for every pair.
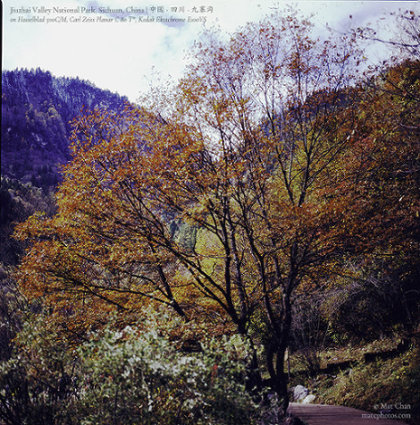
390,386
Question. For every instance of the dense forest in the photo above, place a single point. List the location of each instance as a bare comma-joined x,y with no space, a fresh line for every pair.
219,242
37,114
37,110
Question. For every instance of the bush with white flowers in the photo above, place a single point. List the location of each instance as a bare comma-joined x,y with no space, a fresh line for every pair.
138,376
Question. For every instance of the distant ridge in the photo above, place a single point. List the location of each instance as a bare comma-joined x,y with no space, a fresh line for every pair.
36,112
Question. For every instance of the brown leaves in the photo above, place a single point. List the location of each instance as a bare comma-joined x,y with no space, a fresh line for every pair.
278,173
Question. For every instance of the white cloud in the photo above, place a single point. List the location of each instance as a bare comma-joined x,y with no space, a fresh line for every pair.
122,56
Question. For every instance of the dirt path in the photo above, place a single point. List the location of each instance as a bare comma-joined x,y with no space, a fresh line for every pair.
321,414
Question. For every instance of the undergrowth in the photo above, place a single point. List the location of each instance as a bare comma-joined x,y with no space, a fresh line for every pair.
387,388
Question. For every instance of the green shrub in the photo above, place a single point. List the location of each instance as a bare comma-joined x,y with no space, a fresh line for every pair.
37,382
134,375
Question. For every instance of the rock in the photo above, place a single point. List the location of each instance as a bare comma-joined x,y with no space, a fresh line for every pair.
300,392
308,399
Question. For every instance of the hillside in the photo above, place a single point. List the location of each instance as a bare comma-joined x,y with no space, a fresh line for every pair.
37,109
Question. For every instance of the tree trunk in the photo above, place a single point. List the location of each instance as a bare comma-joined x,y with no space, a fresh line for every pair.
275,355
282,379
254,384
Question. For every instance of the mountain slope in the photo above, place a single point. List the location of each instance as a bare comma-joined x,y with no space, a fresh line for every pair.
36,112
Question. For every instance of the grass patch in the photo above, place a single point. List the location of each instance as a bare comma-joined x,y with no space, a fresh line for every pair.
383,386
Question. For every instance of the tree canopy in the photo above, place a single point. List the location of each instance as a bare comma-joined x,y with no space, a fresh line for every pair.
257,176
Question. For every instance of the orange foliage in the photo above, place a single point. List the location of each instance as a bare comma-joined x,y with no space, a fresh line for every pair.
263,148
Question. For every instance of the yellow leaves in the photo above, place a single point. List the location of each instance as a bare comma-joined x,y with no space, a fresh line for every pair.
251,150
30,227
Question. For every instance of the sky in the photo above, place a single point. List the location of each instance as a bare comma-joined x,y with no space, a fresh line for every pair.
126,45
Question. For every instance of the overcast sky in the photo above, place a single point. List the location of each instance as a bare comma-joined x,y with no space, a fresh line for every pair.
122,50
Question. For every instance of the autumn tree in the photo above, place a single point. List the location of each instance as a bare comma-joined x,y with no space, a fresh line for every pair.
248,151
383,169
389,157
403,42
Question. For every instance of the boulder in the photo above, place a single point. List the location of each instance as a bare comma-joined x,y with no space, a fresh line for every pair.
308,399
300,392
